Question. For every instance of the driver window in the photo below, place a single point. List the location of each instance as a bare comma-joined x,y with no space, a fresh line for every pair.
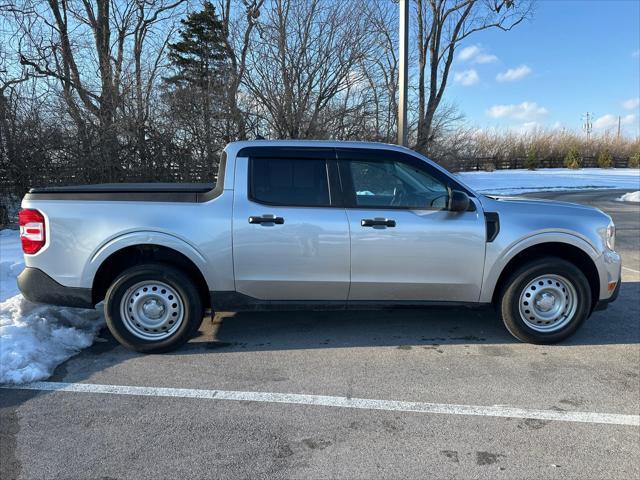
396,184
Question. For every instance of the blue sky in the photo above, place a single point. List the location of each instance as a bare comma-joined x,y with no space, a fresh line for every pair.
572,57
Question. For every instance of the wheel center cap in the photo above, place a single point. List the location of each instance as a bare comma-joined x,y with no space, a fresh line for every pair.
153,309
545,302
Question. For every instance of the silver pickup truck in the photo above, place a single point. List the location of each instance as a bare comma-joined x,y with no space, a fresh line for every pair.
307,225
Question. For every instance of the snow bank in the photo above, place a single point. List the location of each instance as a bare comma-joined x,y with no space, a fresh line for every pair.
34,339
630,197
510,182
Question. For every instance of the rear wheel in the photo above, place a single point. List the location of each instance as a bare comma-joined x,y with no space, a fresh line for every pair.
153,308
545,301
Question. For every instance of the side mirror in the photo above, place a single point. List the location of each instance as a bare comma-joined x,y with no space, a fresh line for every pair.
458,201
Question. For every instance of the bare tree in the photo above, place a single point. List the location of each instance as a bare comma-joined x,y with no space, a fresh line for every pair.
380,67
95,50
8,83
301,62
56,56
149,15
442,26
11,162
238,30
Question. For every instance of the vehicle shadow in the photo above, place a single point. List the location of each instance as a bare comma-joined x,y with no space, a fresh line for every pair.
255,331
400,328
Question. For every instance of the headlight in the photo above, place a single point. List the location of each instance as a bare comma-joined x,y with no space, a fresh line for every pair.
610,239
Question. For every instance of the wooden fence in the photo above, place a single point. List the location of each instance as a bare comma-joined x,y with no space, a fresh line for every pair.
495,163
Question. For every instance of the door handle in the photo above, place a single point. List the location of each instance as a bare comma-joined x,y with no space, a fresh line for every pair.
267,219
377,222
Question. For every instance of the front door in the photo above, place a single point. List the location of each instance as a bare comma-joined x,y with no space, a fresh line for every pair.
405,244
290,236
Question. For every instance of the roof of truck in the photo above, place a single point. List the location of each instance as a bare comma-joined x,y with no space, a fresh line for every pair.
234,147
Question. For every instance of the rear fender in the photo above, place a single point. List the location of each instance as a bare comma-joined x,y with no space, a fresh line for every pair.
144,238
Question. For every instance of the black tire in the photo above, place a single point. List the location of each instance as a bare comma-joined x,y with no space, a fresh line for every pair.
510,298
191,307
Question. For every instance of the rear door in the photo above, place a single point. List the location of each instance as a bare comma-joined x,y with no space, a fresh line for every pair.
405,244
290,230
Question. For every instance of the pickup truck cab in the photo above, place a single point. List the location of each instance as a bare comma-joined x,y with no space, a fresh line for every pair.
313,224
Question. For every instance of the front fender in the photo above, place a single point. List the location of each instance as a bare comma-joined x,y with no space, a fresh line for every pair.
143,238
497,259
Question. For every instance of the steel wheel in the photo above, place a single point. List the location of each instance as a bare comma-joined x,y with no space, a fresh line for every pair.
152,310
548,303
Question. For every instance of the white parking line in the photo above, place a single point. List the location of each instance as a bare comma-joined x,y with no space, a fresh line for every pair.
341,402
631,269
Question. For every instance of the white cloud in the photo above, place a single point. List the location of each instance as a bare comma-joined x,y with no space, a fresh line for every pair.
605,121
525,111
466,77
514,74
631,103
476,54
485,58
467,53
609,121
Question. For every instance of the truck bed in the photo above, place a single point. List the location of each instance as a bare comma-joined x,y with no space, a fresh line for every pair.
143,192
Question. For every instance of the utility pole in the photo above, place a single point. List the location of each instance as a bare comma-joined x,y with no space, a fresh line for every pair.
587,126
403,71
618,127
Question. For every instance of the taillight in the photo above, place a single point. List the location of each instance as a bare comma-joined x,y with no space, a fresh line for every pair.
32,230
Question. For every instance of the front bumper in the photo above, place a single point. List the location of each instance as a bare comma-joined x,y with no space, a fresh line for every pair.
610,269
603,304
37,286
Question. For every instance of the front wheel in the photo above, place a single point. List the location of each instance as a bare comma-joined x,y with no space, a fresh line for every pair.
545,301
153,308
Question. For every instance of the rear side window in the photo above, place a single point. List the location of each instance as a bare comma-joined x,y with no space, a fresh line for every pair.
289,182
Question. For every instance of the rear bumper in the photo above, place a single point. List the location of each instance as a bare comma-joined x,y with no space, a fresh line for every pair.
37,286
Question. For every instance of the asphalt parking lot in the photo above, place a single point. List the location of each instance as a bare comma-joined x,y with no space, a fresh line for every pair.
327,361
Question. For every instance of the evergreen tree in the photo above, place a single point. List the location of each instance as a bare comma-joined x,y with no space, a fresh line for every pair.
573,159
197,87
605,160
532,159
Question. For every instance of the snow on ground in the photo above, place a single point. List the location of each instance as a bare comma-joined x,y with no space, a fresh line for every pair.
510,182
630,197
34,339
